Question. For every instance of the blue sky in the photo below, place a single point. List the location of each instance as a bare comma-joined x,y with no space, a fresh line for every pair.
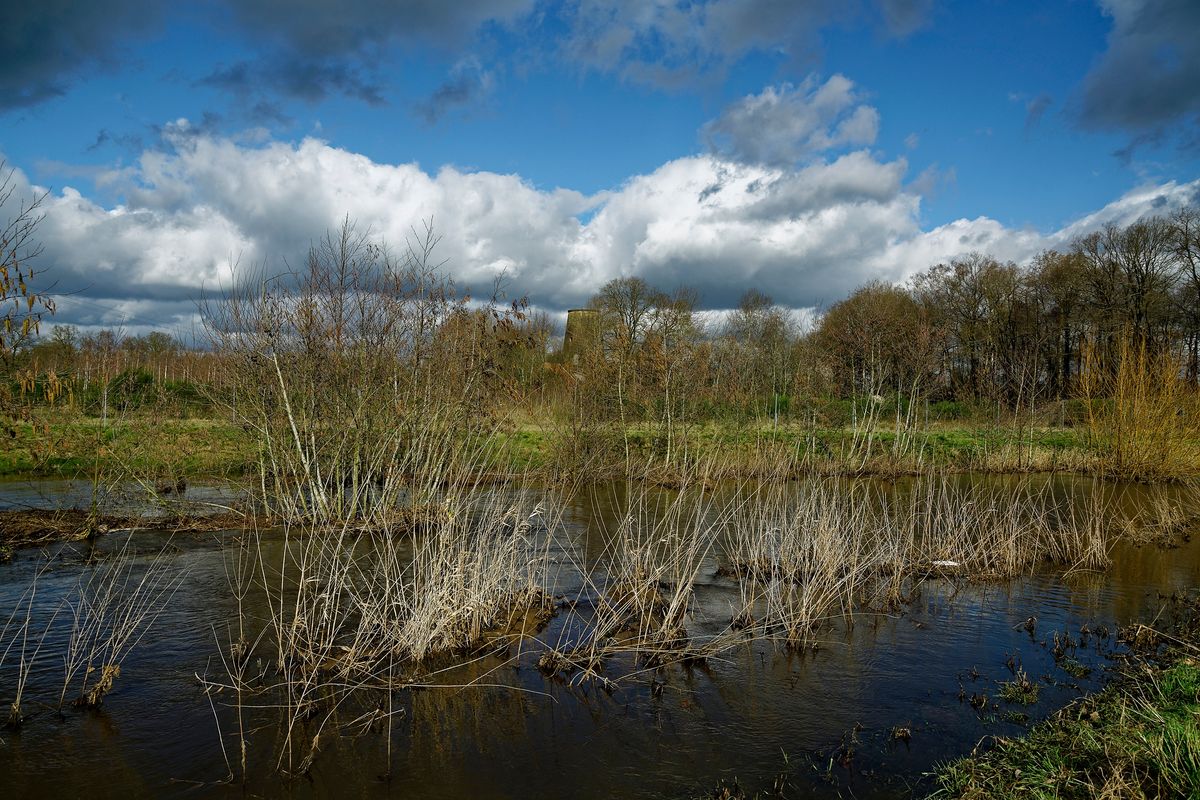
568,143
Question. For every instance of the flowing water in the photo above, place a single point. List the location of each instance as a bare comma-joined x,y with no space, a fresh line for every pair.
820,722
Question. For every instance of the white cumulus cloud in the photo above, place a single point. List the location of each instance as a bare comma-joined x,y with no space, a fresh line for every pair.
805,232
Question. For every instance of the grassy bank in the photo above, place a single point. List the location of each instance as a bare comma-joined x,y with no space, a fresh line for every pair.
72,445
757,448
1138,738
63,444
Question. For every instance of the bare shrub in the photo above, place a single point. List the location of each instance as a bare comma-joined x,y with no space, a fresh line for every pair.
363,377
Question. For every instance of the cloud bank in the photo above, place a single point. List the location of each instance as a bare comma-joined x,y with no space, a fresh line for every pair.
787,201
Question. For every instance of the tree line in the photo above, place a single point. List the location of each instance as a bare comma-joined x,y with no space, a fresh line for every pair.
973,329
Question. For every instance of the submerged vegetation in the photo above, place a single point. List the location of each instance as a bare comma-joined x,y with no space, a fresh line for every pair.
1138,738
91,628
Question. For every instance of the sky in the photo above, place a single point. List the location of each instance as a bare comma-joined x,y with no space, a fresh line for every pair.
799,148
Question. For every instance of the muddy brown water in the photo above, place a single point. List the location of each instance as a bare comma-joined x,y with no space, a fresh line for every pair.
758,713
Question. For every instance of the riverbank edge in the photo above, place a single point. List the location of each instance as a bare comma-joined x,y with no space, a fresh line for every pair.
38,527
1138,737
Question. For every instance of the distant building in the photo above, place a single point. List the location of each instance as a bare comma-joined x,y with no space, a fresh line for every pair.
583,333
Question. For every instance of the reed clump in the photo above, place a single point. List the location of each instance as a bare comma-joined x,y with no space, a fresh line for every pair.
804,558
1167,521
1143,414
809,557
348,603
996,533
351,613
639,602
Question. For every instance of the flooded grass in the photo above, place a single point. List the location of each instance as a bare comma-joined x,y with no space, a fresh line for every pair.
1020,690
626,606
36,527
1139,738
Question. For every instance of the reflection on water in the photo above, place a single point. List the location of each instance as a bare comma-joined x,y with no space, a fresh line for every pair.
65,493
823,719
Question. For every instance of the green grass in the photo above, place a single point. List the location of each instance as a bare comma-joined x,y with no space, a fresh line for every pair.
64,443
1139,738
1020,690
74,445
1074,668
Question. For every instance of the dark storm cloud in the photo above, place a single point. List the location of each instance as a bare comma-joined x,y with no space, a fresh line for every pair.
310,49
468,83
318,48
313,49
339,28
126,315
305,79
665,44
1149,77
46,44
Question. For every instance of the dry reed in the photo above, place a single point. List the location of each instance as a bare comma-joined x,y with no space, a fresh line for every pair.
111,611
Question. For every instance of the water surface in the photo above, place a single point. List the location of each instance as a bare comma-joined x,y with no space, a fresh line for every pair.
820,721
